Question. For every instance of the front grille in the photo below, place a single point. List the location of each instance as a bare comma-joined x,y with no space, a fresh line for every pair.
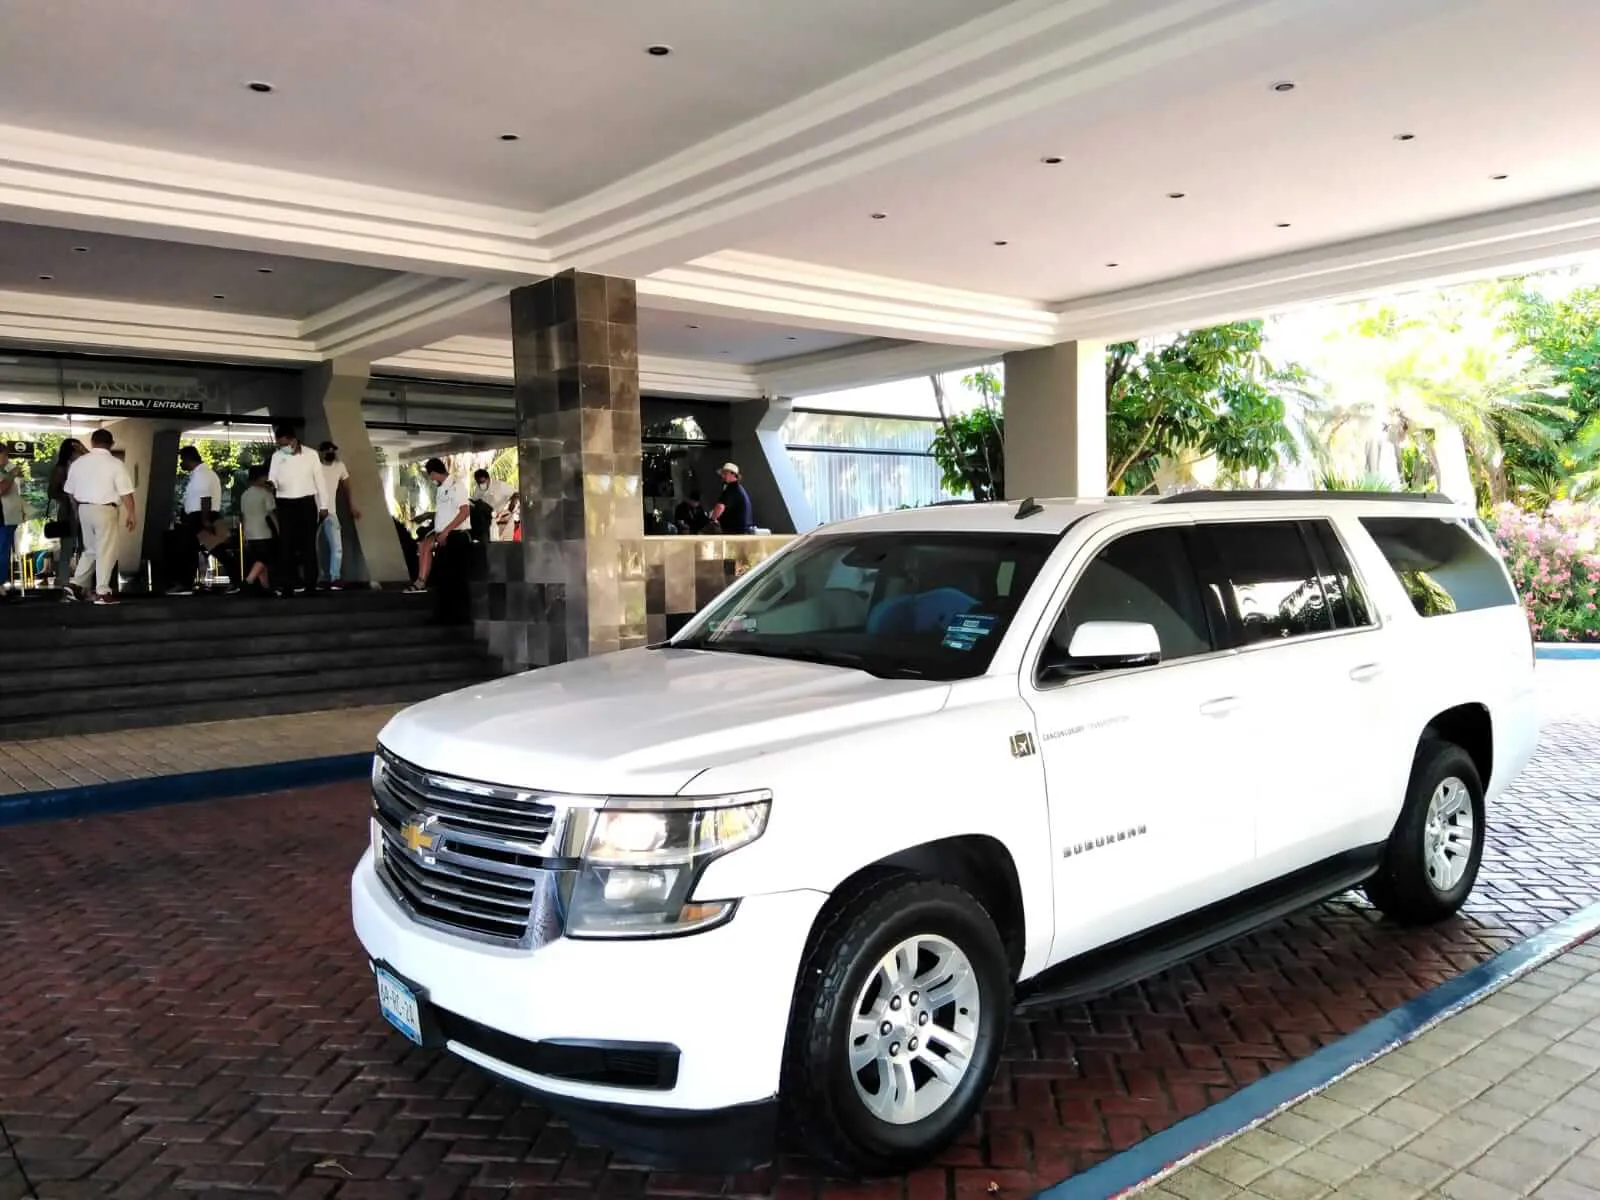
459,854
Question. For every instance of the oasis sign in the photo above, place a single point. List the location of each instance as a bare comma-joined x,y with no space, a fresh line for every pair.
148,404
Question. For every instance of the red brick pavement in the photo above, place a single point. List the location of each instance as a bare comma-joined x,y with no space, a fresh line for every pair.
185,1012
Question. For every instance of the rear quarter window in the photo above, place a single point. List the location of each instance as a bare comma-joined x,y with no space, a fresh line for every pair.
1446,565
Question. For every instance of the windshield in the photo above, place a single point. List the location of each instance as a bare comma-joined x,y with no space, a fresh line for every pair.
902,605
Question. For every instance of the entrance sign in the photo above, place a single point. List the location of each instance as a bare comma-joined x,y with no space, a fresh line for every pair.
148,404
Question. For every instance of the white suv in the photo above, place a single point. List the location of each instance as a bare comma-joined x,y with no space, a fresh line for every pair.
917,770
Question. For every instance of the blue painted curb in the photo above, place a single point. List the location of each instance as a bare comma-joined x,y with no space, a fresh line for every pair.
181,789
1250,1106
1566,650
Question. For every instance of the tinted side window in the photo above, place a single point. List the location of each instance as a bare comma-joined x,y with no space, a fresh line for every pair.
1339,582
1266,580
1145,577
1446,565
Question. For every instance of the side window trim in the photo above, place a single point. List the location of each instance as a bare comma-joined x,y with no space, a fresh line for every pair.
1081,562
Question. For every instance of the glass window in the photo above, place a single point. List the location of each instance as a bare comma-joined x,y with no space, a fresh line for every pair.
1446,565
1145,577
1339,582
903,605
1267,581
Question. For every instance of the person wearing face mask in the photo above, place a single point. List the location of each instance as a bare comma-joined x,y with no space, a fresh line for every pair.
330,537
301,490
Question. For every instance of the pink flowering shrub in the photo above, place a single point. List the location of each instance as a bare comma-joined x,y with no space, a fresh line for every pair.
1554,557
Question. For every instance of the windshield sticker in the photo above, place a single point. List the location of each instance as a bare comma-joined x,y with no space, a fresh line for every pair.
964,632
735,624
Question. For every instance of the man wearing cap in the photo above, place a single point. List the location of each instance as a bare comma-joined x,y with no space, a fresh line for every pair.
330,537
732,511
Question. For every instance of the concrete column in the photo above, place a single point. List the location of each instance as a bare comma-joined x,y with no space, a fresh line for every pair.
1055,414
331,403
755,428
580,585
149,449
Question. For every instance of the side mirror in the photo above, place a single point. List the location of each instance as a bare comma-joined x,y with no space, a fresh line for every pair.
1108,646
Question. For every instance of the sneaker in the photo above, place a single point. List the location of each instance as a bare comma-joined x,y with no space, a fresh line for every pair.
106,598
69,594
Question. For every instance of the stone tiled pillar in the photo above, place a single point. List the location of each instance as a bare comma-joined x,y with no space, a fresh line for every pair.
575,343
1055,412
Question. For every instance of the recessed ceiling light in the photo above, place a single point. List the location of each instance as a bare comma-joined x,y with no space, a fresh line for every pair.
724,351
1497,178
1051,160
80,249
1002,242
658,51
1283,85
510,137
1176,195
218,296
793,338
691,327
1283,224
1113,265
257,85
263,270
1405,137
879,216
46,278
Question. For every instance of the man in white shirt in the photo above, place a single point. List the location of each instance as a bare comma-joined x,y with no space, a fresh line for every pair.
11,514
446,553
302,499
197,525
99,485
336,480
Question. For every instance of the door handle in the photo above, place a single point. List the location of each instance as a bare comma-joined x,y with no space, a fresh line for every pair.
1222,706
1367,672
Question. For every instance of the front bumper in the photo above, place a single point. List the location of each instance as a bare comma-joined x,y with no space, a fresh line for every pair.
720,997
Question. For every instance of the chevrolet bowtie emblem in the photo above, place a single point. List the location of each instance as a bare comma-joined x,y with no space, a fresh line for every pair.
416,836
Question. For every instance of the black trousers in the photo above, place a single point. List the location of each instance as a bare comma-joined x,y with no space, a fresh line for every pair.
297,543
450,577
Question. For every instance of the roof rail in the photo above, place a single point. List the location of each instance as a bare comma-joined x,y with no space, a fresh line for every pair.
1236,497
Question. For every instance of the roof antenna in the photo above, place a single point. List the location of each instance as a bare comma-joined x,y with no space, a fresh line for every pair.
1028,508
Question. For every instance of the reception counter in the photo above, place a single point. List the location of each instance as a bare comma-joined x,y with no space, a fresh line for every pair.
661,586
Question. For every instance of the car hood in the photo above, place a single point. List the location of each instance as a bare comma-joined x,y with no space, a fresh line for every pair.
644,722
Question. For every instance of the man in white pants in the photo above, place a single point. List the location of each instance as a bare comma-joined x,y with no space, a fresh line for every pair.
336,479
99,485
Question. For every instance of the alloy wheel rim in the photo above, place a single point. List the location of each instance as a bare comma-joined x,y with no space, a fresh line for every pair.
913,1029
1448,834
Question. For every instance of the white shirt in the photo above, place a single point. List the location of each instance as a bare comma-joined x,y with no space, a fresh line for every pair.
495,493
333,474
98,477
448,501
296,476
203,485
11,507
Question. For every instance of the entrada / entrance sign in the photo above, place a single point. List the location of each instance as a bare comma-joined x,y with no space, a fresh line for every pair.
149,404
24,450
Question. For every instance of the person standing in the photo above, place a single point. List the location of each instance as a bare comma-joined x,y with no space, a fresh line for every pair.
11,514
99,484
64,525
732,511
335,480
202,504
258,512
450,559
298,483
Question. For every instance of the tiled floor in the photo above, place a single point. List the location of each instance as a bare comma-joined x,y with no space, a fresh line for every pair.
1500,1101
185,1012
62,762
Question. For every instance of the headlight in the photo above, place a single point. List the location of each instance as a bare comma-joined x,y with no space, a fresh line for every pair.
643,858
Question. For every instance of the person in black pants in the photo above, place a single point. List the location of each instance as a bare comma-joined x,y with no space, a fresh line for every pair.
451,568
298,482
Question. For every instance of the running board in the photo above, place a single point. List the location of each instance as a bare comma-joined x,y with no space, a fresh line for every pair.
1149,953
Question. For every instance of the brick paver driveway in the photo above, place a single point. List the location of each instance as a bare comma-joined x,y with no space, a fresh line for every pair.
184,1011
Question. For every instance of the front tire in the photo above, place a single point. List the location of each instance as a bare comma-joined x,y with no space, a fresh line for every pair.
897,1026
1432,857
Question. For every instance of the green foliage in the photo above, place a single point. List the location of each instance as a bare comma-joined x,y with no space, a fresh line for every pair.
1564,334
1207,393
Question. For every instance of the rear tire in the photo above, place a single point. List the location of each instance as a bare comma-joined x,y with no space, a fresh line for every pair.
1432,858
897,1025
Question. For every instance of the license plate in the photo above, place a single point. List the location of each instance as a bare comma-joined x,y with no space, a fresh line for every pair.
399,1004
